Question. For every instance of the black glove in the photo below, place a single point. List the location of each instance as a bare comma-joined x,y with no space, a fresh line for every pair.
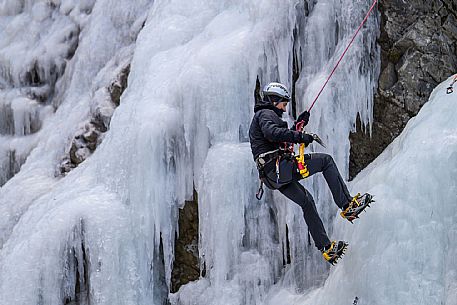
304,116
306,138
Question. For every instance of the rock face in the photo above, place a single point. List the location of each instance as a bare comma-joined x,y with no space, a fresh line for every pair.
186,266
91,134
418,51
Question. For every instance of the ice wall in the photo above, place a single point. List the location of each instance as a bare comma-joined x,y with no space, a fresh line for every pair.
108,30
403,250
106,37
105,233
36,40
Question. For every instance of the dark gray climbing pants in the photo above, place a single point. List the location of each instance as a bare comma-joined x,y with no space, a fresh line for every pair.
288,185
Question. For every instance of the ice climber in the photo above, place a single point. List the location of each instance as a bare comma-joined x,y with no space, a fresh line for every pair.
279,168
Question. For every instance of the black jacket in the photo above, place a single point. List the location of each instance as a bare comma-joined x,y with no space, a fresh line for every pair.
268,131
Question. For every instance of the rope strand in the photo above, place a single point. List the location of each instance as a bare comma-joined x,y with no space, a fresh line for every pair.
344,53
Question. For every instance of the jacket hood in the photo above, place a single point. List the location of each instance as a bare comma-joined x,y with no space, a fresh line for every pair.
267,105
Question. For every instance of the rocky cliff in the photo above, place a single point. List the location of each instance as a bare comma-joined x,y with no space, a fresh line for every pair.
419,50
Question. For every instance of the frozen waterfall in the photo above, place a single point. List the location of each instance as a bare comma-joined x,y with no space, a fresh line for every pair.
105,233
403,250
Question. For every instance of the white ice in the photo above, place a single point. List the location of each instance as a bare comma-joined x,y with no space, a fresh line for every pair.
402,251
183,122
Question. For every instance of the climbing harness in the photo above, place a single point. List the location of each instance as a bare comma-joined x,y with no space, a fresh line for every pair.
344,53
283,153
450,89
263,159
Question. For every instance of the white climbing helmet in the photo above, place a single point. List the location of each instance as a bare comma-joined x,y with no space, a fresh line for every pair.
276,89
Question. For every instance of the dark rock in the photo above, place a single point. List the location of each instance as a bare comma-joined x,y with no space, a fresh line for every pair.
186,266
91,136
418,51
87,139
99,122
83,145
450,25
388,77
77,153
119,85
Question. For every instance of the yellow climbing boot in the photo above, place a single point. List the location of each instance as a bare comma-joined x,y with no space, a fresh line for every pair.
357,205
335,251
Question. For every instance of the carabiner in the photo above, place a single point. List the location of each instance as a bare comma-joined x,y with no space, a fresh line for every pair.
260,192
277,170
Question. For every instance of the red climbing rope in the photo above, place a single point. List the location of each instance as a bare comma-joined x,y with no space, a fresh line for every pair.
344,53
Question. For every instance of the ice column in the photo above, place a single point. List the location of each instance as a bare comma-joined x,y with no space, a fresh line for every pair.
37,38
316,33
110,224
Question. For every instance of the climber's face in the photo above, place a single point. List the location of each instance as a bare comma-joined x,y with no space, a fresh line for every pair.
282,106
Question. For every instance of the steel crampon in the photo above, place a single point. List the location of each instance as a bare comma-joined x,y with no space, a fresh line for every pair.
357,205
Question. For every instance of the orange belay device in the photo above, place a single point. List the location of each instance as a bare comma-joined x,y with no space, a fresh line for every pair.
301,154
301,161
303,169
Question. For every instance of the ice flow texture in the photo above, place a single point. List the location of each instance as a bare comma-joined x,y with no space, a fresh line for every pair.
181,123
403,250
